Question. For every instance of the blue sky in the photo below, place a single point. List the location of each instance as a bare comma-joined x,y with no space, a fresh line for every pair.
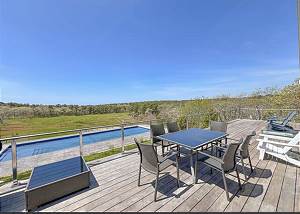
110,51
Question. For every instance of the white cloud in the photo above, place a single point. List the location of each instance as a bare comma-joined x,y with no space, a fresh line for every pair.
236,82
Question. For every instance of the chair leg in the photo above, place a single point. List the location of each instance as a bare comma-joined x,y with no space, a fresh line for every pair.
177,166
238,177
156,186
225,185
251,165
140,171
178,150
243,166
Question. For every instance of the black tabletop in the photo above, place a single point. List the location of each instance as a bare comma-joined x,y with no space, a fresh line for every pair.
43,175
193,138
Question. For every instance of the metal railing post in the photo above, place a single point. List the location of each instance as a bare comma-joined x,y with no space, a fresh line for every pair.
123,138
14,162
81,143
151,134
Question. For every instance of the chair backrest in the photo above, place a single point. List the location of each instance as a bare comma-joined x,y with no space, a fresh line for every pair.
293,142
172,127
289,118
148,155
156,130
218,126
229,157
244,148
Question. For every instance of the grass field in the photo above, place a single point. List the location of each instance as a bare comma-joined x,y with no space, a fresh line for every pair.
27,126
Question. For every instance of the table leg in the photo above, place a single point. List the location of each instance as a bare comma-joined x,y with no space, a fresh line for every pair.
193,168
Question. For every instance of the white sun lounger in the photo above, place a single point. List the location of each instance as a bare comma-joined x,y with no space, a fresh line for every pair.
279,147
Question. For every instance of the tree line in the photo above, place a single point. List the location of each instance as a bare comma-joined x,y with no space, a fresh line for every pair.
221,108
136,110
16,110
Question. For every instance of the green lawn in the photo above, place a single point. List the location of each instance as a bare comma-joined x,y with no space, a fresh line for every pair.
26,126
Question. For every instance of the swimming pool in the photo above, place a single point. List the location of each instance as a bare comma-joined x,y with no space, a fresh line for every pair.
61,143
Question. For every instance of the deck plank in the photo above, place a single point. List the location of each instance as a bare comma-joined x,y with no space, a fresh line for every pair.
134,190
271,198
297,193
257,195
122,176
237,204
287,195
148,204
165,191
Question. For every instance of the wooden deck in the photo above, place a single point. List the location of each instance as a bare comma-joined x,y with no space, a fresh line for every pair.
273,186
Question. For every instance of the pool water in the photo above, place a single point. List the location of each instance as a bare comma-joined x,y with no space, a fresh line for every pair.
61,143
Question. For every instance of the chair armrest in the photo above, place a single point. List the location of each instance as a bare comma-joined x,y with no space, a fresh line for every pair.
277,123
228,138
211,156
276,137
219,147
156,144
168,155
273,118
278,144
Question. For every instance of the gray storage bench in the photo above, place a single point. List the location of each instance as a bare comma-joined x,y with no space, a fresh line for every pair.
55,180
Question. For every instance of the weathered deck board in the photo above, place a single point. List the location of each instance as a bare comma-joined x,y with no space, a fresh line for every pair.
287,195
257,195
270,202
221,203
273,186
238,203
216,191
166,189
297,194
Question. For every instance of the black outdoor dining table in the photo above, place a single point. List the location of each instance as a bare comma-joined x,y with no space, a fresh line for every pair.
193,139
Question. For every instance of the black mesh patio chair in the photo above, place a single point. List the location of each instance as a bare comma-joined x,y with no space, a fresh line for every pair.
157,130
225,165
172,127
155,164
275,124
243,151
218,126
